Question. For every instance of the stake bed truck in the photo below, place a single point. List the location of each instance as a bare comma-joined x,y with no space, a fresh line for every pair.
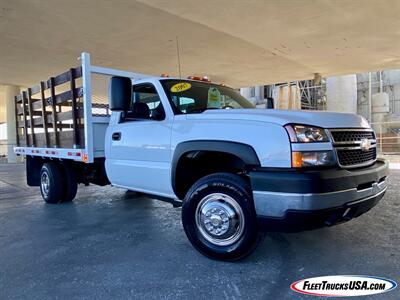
236,171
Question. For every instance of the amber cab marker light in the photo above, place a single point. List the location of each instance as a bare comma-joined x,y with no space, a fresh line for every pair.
297,160
164,75
199,78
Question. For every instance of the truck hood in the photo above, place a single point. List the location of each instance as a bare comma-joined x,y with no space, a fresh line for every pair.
283,117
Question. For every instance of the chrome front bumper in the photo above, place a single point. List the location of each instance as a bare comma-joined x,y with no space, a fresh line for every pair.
276,204
279,192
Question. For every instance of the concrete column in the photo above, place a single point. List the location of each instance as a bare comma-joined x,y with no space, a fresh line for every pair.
246,92
341,93
259,93
10,91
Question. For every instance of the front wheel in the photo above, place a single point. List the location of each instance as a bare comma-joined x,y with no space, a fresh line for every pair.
219,218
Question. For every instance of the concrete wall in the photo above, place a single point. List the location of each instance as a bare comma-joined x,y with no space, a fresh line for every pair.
3,125
3,141
2,106
390,85
7,94
287,96
254,94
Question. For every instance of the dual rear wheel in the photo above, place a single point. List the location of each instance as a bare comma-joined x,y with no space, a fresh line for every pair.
57,182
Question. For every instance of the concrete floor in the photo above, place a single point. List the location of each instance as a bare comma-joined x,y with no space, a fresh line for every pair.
109,243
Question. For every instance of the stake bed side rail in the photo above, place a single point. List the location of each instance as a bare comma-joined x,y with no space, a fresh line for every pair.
55,118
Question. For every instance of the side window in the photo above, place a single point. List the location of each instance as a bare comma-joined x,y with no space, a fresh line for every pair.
146,104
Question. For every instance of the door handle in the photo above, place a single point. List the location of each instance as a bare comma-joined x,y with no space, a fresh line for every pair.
116,136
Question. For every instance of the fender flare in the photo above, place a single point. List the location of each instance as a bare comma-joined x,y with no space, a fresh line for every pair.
243,151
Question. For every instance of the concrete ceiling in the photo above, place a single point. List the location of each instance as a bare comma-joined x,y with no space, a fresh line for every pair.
237,42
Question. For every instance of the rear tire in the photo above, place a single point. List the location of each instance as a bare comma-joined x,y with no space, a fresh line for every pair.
71,185
51,183
219,218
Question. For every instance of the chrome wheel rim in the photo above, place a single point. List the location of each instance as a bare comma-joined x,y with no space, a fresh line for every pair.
220,219
45,184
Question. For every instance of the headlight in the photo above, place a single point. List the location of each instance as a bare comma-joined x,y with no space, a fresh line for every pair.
306,134
311,159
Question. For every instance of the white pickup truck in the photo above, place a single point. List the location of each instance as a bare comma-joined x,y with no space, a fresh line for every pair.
236,170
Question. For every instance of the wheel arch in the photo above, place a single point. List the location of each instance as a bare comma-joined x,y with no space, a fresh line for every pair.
239,151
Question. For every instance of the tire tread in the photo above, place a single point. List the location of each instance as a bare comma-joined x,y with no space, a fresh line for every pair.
238,183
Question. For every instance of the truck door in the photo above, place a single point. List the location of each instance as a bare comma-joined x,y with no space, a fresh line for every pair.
140,150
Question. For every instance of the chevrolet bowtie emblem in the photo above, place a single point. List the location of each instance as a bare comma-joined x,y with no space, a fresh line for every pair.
365,144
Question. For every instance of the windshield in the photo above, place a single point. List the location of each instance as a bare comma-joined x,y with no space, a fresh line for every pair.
189,97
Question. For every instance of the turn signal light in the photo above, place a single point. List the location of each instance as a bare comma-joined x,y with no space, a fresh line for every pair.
312,159
297,159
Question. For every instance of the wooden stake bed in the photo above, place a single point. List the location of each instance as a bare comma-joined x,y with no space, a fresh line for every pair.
55,121
57,118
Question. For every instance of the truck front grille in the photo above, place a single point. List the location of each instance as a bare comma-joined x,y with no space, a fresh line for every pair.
351,136
355,157
354,147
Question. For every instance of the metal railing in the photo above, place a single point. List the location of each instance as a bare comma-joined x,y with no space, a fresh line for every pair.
387,136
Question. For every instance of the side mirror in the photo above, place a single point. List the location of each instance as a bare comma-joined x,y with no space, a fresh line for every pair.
120,93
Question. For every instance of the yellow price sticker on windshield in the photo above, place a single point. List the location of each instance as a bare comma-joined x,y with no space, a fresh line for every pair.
180,87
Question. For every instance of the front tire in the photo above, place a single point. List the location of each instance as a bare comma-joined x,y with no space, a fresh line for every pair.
51,183
219,218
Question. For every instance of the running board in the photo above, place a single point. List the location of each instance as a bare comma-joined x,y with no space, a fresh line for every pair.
173,201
